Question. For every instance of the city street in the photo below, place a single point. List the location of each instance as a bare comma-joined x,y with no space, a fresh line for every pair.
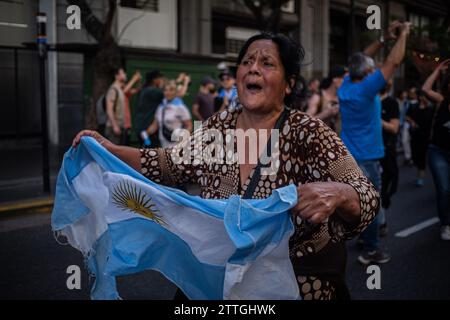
317,80
33,264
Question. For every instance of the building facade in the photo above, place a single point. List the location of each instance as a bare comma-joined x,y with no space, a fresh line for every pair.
191,36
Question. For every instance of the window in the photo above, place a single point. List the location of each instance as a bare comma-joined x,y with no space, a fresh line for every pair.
233,46
148,5
420,23
235,39
239,6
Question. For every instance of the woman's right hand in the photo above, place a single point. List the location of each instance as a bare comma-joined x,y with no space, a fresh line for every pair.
94,134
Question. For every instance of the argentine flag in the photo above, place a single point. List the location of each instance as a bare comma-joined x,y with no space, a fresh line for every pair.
123,223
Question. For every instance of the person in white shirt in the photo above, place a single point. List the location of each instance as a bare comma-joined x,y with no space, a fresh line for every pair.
171,115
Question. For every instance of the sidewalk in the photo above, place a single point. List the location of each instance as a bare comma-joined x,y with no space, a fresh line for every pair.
21,186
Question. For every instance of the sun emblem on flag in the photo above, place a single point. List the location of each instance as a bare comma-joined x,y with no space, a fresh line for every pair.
127,196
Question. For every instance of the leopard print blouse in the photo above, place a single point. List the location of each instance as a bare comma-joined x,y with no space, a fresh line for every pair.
309,152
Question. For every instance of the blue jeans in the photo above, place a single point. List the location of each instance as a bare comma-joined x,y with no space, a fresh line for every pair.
439,162
372,170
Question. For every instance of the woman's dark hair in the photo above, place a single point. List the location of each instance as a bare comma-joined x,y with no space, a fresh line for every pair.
291,55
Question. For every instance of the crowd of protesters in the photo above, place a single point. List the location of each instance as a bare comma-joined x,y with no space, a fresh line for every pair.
379,126
159,108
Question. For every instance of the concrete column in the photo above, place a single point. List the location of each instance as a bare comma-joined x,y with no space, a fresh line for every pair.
306,36
314,35
325,35
205,25
321,38
49,7
188,26
195,27
183,9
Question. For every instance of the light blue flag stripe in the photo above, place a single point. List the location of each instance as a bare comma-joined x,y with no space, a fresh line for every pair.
167,254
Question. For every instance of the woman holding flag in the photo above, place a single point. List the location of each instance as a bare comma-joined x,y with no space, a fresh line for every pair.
335,200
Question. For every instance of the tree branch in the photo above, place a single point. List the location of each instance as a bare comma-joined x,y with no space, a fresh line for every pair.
109,19
275,14
129,23
257,11
267,14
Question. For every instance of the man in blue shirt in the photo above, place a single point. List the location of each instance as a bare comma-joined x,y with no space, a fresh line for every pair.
360,108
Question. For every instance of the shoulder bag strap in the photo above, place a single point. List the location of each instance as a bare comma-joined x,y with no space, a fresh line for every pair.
257,173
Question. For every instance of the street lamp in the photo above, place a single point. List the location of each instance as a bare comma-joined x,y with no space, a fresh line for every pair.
41,39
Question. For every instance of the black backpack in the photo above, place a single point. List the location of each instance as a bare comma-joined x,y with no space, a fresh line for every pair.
100,108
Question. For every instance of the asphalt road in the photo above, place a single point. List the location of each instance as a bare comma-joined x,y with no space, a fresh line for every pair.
33,265
420,264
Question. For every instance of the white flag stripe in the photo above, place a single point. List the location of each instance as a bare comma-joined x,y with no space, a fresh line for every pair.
273,259
91,226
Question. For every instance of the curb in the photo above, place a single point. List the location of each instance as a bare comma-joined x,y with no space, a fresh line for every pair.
43,204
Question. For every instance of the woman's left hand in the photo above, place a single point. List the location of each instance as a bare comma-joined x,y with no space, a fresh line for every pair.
317,201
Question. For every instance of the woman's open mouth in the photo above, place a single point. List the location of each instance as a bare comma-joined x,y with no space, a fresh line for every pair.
253,87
